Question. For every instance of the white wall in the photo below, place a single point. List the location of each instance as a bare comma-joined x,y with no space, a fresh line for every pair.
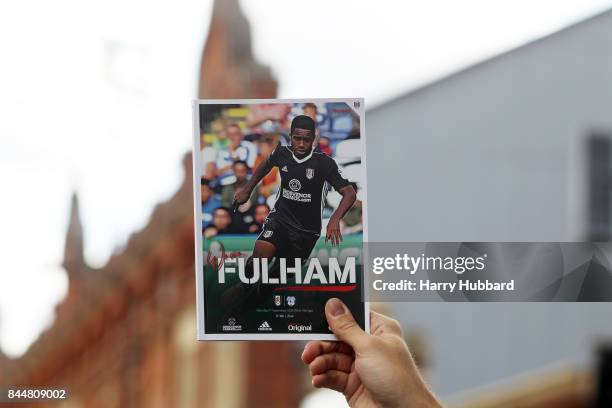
495,153
488,154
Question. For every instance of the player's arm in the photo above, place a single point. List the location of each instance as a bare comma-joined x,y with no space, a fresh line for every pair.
333,226
344,187
242,195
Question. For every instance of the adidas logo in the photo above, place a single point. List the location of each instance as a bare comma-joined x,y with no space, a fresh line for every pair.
265,327
285,169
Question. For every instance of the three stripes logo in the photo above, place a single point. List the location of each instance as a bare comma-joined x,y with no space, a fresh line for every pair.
265,326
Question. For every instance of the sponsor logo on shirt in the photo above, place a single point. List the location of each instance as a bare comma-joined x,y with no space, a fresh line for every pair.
292,195
295,185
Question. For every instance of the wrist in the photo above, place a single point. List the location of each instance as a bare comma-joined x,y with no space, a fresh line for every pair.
414,392
420,396
421,399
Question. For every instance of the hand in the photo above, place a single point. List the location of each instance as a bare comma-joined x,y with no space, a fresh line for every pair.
245,207
241,196
370,370
333,231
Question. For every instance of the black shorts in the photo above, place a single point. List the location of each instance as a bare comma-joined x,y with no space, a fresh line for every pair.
289,241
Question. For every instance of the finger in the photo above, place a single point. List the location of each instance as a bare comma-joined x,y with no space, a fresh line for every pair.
381,324
335,380
344,326
316,348
331,361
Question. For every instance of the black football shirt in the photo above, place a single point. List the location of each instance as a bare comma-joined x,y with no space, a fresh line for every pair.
304,185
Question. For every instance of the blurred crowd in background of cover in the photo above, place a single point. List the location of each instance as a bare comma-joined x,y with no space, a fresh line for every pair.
236,139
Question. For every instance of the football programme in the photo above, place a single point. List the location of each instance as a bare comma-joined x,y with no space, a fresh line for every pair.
280,216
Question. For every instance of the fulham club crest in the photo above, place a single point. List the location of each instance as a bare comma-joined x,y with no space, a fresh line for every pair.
309,173
278,300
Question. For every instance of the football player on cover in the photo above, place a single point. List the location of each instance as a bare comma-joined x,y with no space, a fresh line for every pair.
293,226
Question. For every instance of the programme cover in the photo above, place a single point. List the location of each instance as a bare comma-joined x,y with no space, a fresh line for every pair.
308,157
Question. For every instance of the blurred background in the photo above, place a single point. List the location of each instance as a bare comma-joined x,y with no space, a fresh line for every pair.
486,121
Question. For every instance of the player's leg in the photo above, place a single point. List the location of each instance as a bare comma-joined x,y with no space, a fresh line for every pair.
270,244
262,250
266,247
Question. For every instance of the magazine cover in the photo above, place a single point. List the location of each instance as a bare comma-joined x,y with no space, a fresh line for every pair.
280,213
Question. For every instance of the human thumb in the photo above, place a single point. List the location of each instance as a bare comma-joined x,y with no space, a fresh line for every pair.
344,326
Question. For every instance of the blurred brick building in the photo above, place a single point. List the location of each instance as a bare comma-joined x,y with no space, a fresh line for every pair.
125,336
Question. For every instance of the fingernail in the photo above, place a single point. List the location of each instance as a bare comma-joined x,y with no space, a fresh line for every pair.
336,308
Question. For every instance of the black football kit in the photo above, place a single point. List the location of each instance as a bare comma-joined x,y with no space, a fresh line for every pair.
294,224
